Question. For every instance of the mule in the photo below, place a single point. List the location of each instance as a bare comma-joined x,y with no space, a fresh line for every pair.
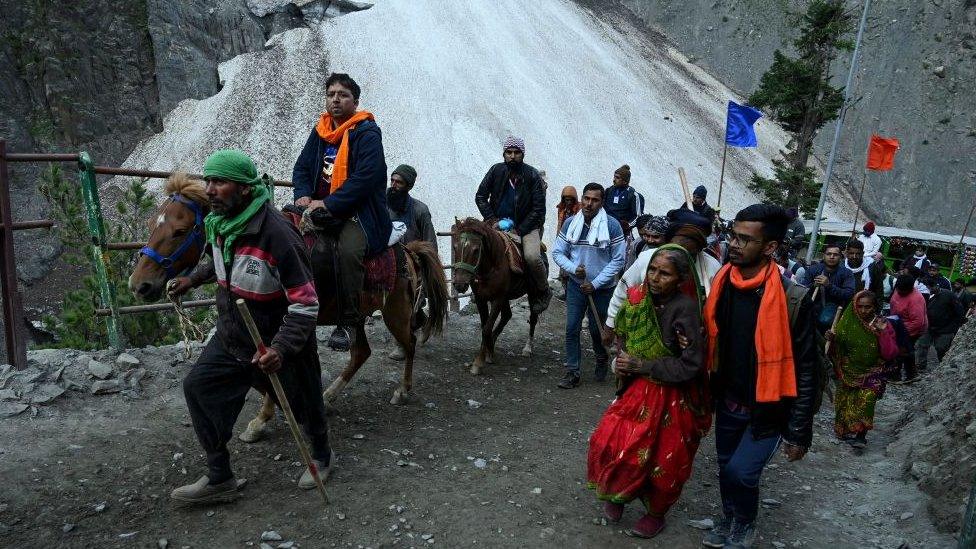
482,264
176,244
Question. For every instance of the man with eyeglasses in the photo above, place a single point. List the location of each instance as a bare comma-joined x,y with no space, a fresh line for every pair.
764,363
835,282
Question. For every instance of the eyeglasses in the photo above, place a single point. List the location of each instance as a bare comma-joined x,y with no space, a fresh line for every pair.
742,239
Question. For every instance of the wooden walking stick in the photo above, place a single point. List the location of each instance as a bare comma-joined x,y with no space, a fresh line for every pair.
830,343
684,188
283,400
596,313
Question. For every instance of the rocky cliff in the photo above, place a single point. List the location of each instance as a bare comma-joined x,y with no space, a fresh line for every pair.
916,80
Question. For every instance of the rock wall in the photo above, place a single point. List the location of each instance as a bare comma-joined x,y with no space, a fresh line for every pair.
915,81
939,432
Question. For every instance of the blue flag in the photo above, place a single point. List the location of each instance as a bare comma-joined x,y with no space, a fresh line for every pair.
738,126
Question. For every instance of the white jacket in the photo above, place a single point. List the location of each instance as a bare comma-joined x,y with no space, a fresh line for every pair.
705,265
872,244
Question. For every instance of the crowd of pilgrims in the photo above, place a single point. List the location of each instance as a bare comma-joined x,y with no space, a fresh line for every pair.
704,320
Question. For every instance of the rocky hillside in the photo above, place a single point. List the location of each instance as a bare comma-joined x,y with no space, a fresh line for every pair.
915,81
938,433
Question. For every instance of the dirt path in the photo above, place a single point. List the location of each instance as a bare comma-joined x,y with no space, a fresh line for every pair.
409,476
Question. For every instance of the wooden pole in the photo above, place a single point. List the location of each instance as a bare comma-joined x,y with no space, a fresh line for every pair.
962,237
596,313
860,196
684,188
283,400
721,177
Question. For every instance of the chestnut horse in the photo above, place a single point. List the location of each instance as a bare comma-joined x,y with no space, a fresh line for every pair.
176,243
483,265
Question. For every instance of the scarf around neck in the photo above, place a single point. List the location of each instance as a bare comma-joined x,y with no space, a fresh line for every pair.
339,136
229,228
598,234
775,370
862,270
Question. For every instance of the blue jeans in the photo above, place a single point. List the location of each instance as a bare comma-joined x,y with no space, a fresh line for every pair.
741,460
577,305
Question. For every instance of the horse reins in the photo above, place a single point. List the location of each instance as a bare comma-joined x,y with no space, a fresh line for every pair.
468,267
195,236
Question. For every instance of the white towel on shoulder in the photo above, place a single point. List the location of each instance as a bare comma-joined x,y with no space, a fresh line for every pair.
599,233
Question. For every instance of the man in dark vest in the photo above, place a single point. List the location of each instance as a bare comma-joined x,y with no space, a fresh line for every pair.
407,209
342,171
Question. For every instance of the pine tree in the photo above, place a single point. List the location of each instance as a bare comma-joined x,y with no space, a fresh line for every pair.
797,93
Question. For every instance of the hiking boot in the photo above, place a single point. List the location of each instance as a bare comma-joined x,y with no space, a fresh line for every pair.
719,534
647,527
613,511
397,354
569,381
202,491
743,536
341,339
307,482
541,302
859,442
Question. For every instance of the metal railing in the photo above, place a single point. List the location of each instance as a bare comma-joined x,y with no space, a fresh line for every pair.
13,311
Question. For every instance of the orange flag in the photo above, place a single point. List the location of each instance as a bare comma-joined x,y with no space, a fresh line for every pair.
881,153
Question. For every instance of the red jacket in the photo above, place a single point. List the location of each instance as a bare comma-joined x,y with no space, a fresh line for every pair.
911,309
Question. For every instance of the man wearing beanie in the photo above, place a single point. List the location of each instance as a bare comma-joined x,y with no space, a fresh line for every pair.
514,190
872,242
623,203
700,205
257,256
407,209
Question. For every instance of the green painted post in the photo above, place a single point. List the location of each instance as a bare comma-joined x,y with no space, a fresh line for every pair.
967,539
96,227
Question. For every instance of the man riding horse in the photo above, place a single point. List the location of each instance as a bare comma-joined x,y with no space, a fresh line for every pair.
341,172
514,190
260,257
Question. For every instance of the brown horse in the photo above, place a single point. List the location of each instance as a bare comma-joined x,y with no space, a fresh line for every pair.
176,245
483,265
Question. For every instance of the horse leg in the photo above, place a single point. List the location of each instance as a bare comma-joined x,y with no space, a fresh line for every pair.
255,427
506,314
405,337
358,355
483,313
527,350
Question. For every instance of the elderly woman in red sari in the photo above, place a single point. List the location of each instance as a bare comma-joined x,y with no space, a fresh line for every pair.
862,347
645,443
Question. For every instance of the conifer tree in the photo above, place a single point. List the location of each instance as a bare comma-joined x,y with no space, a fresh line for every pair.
797,93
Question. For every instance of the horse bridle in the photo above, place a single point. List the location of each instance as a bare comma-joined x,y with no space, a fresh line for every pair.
195,236
468,267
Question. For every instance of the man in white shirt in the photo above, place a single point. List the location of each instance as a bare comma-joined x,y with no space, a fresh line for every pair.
872,242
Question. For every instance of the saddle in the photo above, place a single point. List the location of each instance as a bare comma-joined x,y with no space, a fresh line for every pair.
513,251
381,270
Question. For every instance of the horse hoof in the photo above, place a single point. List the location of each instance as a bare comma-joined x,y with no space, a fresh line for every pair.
475,370
253,433
400,398
526,351
490,359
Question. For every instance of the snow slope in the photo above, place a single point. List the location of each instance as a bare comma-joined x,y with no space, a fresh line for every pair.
448,81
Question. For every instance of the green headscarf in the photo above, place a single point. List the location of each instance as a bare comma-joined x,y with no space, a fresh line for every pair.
856,346
235,166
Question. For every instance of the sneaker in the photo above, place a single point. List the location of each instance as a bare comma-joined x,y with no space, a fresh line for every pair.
569,381
202,491
647,527
341,339
743,536
307,482
613,511
719,534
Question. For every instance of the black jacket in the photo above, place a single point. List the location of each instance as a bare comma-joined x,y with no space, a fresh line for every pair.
945,312
791,418
530,196
363,194
270,269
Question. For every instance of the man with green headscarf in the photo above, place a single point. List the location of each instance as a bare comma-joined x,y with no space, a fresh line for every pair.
260,257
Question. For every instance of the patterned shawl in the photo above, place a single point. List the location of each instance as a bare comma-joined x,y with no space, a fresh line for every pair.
856,351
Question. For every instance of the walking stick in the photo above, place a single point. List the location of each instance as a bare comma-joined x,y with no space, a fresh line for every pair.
596,314
827,346
283,400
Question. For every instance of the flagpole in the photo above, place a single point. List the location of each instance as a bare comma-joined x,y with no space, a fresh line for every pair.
860,197
721,178
840,124
962,237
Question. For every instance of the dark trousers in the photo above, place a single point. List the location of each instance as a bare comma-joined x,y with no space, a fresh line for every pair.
578,306
941,342
215,389
350,253
741,460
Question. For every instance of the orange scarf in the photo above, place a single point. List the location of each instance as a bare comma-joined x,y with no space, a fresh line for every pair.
340,136
775,374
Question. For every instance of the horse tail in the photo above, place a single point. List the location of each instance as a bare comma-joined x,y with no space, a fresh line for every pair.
434,284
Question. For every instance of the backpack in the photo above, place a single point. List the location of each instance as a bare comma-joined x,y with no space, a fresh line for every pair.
795,294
